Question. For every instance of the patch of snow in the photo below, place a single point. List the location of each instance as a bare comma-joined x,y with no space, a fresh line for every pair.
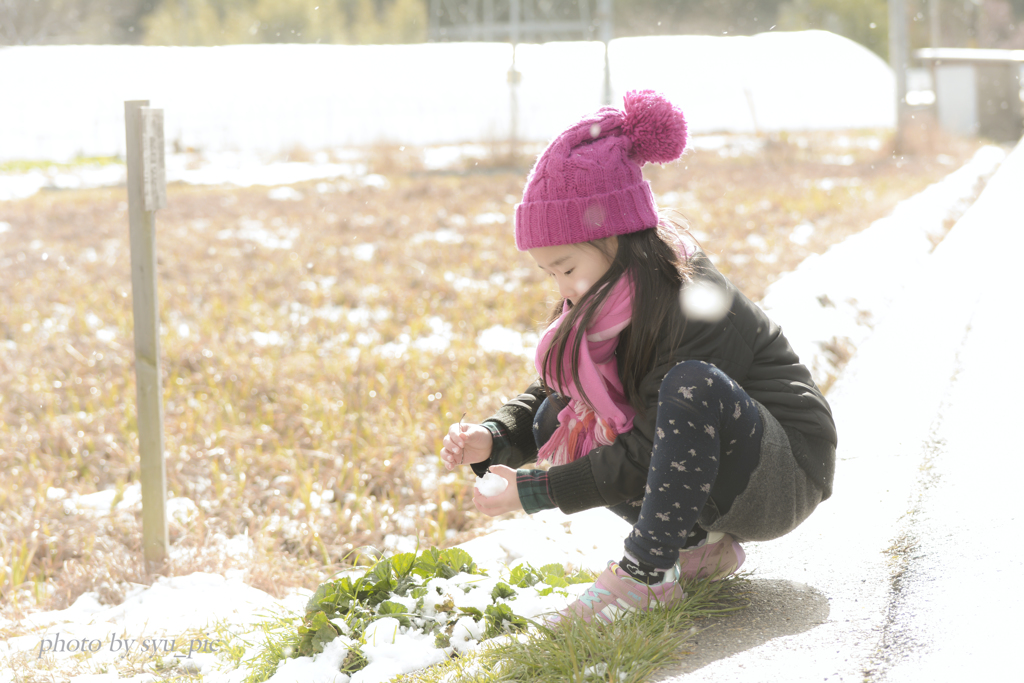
322,668
272,338
727,146
443,157
285,194
365,316
252,230
362,252
438,341
375,180
248,169
442,236
490,218
500,339
105,502
401,544
181,510
802,234
838,159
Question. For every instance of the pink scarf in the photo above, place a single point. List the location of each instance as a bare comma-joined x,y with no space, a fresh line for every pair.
583,427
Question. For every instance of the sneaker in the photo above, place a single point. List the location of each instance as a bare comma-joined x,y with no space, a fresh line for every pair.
616,593
718,556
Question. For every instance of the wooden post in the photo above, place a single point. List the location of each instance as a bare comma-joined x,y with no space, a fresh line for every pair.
146,194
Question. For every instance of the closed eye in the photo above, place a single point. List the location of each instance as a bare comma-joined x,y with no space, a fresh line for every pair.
569,272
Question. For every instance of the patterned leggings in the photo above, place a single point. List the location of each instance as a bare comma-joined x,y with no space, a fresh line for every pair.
707,442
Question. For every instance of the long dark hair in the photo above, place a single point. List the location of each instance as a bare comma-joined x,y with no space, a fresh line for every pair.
658,269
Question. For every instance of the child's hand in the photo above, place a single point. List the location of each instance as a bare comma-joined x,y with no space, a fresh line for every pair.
506,501
466,444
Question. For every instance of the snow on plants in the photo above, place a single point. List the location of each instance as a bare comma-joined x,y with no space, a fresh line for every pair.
410,611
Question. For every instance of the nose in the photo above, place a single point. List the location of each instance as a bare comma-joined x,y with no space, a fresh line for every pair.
566,291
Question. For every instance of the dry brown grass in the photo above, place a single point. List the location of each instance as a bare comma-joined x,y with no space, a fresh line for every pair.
309,448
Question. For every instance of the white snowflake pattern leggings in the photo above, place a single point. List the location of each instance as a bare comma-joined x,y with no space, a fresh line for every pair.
707,442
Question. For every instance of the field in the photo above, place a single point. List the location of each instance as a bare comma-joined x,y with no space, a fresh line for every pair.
317,343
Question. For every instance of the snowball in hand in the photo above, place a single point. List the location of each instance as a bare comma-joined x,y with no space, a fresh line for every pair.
491,484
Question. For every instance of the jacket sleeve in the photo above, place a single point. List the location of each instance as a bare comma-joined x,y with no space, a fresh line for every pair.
605,476
515,420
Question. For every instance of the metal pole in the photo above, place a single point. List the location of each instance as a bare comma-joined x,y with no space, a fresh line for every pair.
935,35
144,157
898,58
934,23
488,24
515,8
604,20
434,21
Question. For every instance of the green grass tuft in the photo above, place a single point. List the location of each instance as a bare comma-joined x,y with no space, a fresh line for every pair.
272,641
629,650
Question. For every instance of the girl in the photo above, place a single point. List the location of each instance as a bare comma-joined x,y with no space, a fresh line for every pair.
698,426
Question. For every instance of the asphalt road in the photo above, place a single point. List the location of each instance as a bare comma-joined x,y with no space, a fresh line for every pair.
914,569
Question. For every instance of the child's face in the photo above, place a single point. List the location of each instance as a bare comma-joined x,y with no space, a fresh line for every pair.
576,267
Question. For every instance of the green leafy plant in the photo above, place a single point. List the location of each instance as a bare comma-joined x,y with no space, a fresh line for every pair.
500,619
348,605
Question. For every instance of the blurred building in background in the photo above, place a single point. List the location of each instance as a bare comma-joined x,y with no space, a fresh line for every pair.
977,91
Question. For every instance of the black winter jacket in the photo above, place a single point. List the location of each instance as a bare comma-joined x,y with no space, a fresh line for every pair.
747,346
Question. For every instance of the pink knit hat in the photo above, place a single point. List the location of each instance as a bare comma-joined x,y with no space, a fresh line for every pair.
587,184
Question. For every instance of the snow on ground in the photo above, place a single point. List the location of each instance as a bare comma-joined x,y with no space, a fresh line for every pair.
61,101
148,625
836,298
172,606
499,338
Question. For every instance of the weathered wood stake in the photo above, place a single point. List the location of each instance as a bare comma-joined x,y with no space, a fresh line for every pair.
147,193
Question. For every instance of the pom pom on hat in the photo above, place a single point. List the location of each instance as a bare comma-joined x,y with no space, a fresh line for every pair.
587,184
655,126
